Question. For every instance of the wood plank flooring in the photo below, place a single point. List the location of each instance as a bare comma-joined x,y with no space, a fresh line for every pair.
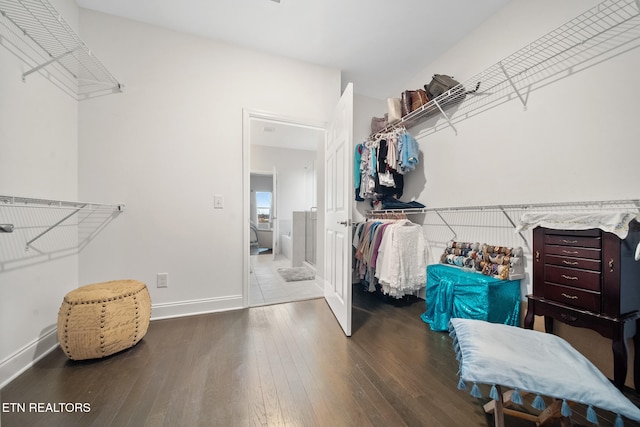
278,365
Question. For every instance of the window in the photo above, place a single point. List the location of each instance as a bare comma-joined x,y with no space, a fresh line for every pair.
263,209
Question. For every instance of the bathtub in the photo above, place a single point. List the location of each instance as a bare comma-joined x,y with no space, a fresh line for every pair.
286,245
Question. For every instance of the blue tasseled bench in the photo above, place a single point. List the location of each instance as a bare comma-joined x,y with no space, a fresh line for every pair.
528,361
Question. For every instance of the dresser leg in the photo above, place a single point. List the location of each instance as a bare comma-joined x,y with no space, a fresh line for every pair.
548,324
529,318
636,358
619,347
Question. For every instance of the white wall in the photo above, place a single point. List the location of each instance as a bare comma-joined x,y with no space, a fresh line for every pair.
38,146
576,141
172,141
572,143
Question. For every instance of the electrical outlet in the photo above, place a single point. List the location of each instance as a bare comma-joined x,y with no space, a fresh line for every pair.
162,280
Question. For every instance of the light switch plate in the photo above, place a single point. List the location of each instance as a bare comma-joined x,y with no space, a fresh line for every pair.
218,201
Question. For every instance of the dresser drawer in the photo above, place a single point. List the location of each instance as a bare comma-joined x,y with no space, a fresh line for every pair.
579,298
583,279
580,241
590,253
563,261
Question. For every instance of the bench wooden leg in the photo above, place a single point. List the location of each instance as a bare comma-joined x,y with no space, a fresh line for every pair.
500,408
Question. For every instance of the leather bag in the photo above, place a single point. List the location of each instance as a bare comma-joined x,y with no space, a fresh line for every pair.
378,123
418,99
440,83
444,84
405,102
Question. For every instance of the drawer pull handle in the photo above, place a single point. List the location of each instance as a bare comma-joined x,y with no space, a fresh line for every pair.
570,252
568,318
611,265
569,241
537,256
564,261
569,277
569,296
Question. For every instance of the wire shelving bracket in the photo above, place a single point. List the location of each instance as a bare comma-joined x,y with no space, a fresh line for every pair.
75,207
36,33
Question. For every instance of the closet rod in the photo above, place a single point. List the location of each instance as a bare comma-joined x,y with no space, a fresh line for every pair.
627,204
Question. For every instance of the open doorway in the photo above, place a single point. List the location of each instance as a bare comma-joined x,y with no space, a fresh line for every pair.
262,214
281,208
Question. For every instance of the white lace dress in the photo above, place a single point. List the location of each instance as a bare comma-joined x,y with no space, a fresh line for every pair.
402,259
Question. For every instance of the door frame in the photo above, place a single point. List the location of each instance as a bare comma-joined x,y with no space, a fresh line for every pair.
248,115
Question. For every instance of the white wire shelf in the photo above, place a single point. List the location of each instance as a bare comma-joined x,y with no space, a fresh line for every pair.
13,201
464,221
632,204
37,34
593,34
43,224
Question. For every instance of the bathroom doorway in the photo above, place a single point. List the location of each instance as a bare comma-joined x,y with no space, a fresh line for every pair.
283,210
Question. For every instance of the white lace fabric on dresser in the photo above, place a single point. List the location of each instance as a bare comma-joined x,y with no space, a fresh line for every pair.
402,259
616,222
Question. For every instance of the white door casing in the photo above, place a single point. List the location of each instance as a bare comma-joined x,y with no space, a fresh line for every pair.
248,115
337,231
275,248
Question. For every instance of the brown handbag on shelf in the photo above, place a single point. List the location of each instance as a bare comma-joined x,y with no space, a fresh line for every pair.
379,123
418,99
405,102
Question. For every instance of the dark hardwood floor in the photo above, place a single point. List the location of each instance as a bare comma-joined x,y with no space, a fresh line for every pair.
279,365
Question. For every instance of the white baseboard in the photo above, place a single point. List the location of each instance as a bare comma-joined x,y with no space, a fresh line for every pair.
193,307
27,356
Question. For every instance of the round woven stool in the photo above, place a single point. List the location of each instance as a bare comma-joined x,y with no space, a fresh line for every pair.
99,320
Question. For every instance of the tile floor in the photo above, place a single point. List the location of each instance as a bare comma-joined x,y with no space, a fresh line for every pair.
268,287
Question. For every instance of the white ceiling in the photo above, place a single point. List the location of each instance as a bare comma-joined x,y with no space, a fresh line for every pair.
378,44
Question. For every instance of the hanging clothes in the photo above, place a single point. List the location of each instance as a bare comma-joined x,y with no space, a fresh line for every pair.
384,159
403,250
357,176
390,256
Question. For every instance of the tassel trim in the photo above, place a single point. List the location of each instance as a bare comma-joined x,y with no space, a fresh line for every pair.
619,422
516,398
475,391
494,393
592,417
538,403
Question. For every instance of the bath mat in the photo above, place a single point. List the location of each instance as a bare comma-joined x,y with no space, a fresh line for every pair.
295,274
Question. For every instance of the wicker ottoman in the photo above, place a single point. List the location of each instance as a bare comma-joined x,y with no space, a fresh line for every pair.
98,320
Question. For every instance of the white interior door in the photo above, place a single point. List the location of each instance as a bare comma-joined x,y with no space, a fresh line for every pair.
275,248
337,230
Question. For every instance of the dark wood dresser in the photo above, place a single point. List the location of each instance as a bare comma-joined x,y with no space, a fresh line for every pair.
589,279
